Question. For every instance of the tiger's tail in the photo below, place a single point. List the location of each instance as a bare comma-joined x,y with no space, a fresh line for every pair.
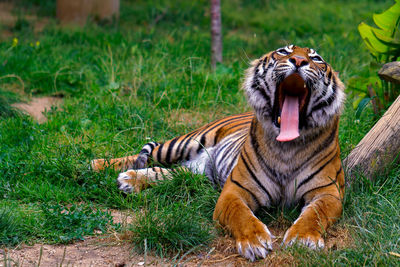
138,161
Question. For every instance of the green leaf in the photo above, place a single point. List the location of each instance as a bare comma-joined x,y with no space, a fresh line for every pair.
358,100
373,43
388,41
388,19
382,35
361,106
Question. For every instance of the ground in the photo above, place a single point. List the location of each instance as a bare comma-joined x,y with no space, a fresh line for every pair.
115,250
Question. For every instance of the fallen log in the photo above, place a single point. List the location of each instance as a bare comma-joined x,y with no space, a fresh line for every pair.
379,148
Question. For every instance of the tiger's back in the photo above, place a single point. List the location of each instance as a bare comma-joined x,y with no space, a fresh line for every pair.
212,149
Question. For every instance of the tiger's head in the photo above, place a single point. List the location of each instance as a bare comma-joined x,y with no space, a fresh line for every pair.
293,91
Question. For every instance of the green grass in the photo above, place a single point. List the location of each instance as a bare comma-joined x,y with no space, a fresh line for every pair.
52,223
125,83
176,215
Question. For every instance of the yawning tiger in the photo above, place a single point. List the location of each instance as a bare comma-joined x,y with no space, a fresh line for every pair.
283,153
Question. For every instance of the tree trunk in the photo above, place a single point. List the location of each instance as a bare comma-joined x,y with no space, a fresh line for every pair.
379,147
216,35
78,11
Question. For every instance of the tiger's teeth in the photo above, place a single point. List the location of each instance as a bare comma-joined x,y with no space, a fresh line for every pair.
304,85
279,120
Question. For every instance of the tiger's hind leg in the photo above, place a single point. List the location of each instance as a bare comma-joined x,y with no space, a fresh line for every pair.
137,180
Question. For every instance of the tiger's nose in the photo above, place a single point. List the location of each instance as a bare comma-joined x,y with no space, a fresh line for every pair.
298,61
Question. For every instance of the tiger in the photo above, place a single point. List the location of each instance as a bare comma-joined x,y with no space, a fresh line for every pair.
283,153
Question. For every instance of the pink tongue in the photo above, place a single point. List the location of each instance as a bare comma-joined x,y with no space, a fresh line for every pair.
289,119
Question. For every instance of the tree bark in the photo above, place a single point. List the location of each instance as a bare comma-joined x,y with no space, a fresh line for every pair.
379,148
216,35
78,11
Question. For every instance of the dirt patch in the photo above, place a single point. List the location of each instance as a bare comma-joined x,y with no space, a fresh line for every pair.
38,105
122,217
94,251
115,250
222,251
8,18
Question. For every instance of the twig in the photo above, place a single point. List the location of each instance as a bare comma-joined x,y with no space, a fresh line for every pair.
224,259
394,254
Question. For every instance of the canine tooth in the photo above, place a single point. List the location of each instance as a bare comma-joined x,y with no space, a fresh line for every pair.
304,85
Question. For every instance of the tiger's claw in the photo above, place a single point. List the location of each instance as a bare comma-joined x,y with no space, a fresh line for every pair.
308,239
256,242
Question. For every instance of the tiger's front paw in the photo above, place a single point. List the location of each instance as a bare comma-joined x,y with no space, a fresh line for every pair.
254,241
132,180
304,236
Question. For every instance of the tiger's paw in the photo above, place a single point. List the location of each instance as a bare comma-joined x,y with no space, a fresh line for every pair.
311,239
132,180
254,241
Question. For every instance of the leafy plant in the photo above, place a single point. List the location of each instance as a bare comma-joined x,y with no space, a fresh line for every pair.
384,45
383,42
66,224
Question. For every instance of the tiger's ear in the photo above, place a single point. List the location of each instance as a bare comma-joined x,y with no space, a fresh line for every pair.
254,62
336,73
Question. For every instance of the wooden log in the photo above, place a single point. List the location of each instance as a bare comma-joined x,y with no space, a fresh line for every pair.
378,149
390,72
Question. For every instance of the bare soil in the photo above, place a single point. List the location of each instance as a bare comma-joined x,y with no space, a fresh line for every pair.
8,19
38,105
115,250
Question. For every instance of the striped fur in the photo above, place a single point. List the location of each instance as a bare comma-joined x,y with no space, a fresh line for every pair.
241,155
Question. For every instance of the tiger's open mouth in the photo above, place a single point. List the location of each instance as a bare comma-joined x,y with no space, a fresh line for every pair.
291,100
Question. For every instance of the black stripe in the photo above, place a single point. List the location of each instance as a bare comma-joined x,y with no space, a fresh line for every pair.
309,178
255,178
230,166
319,149
230,144
156,173
159,153
187,138
231,119
248,191
326,185
145,151
151,145
202,143
206,130
169,151
330,99
246,154
230,148
256,86
329,78
333,151
264,62
260,158
239,125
